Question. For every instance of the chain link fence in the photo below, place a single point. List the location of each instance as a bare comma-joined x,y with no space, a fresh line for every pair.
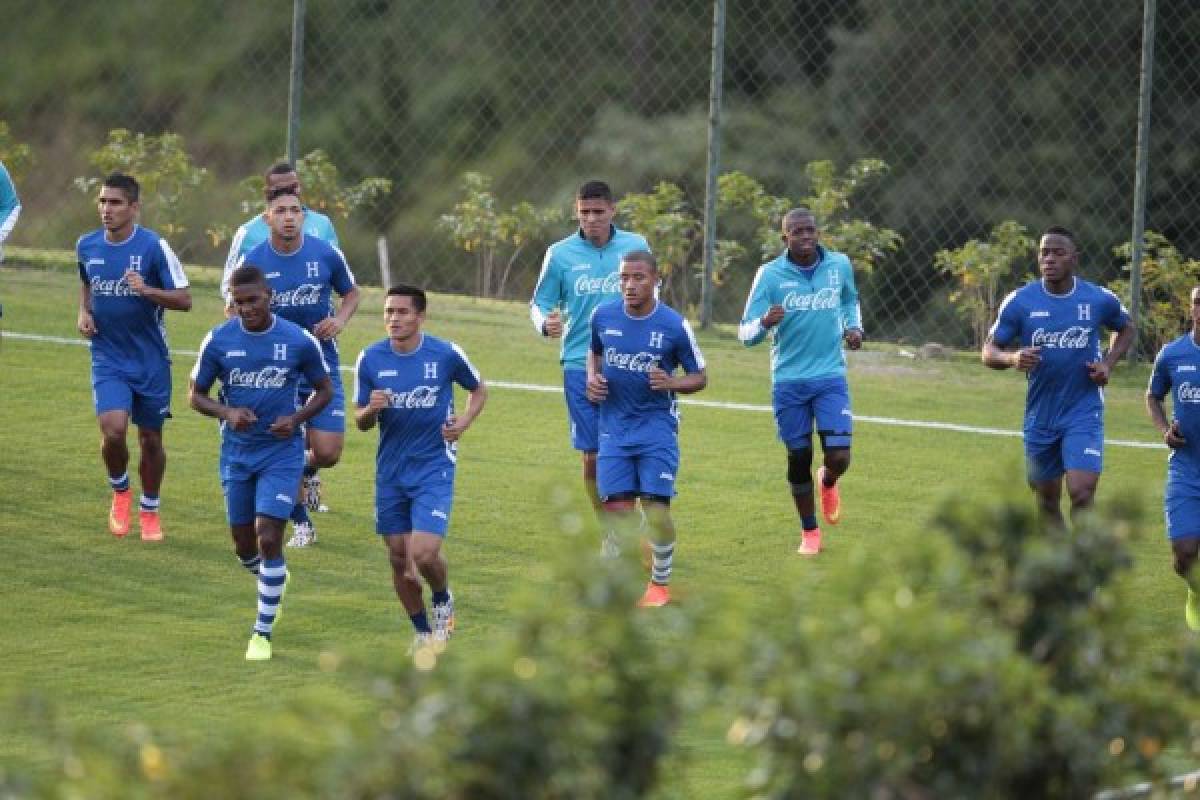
980,113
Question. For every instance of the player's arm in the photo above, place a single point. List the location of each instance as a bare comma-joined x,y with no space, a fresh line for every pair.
760,315
330,327
852,326
547,297
597,384
10,204
687,383
457,425
232,261
240,419
996,352
86,323
322,394
174,294
1172,436
368,401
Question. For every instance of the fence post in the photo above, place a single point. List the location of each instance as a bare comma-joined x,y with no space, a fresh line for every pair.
295,79
714,161
1140,172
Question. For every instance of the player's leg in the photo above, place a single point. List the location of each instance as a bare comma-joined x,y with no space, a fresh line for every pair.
835,424
277,472
583,417
1044,471
393,522
151,409
431,508
1182,513
657,470
1083,460
238,487
325,438
113,400
792,403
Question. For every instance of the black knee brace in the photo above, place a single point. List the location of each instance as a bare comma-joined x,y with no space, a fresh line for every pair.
800,471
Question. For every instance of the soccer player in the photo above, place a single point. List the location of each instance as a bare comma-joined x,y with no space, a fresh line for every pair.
251,234
1054,324
129,276
405,383
260,358
304,272
637,344
1177,371
10,206
806,301
579,273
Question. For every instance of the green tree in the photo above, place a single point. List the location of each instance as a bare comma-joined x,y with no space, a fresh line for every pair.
16,156
672,230
983,270
161,165
1167,281
490,235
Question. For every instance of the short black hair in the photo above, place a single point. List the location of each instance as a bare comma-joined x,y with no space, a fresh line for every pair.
642,257
126,183
281,168
246,275
280,192
1059,230
416,293
799,211
595,190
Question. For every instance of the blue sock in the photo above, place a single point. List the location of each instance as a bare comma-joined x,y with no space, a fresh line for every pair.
271,575
309,471
420,621
809,523
119,483
149,502
442,597
300,513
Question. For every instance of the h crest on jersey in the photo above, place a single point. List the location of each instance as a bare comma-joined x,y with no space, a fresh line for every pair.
1085,311
431,370
314,268
135,262
656,340
280,352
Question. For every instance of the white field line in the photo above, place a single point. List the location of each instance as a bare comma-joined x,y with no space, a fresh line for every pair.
535,387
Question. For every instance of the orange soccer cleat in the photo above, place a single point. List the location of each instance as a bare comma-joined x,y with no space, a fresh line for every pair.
810,542
118,513
656,596
831,499
151,526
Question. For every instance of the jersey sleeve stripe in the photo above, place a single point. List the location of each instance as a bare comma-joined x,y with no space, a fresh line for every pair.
462,354
687,329
178,276
320,351
200,357
9,221
346,264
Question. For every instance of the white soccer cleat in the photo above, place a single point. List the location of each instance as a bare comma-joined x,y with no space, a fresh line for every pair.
303,535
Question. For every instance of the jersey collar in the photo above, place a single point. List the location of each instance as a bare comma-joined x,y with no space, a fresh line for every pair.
1074,286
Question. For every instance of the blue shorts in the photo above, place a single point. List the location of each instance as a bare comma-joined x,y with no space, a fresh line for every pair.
1076,445
798,403
261,480
648,472
1182,509
583,414
422,501
145,397
333,416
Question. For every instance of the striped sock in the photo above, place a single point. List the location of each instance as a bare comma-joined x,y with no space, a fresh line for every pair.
271,575
149,502
664,554
251,563
119,483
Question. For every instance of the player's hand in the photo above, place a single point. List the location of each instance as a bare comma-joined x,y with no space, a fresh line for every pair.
554,325
135,281
1098,371
1027,358
240,419
328,328
597,388
1174,437
283,427
854,338
452,430
380,399
773,316
660,380
86,324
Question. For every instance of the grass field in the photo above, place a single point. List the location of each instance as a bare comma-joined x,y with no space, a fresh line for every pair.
115,632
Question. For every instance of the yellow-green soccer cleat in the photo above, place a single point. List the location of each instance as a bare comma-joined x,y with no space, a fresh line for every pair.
1191,611
259,648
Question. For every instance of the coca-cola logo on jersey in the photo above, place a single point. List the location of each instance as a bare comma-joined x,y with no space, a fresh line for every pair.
1186,393
265,378
112,287
634,362
418,397
1073,338
307,294
609,284
821,300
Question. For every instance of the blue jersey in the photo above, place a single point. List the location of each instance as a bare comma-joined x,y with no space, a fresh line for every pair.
1177,371
259,370
820,304
577,277
303,283
254,232
421,385
10,204
633,414
1067,329
130,334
